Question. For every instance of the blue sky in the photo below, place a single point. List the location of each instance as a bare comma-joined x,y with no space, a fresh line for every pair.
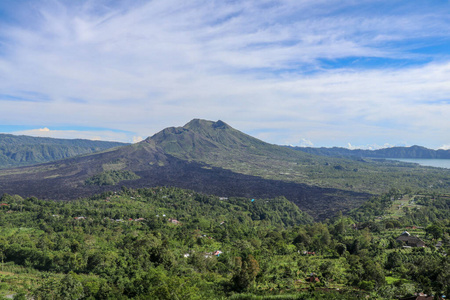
312,73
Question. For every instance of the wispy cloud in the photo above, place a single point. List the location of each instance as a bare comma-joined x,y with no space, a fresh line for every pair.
306,143
371,147
140,66
105,135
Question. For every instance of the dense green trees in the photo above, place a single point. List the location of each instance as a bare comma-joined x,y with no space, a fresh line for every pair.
245,273
162,243
111,178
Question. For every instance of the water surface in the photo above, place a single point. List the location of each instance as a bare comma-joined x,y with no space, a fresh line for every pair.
429,162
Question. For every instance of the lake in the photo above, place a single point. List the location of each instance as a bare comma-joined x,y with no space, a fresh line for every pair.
429,162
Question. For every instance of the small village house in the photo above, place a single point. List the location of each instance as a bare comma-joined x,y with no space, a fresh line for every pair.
409,240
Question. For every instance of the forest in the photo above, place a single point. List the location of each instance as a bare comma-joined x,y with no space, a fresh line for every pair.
171,243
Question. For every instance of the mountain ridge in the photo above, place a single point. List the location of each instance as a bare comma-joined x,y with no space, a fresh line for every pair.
213,135
214,158
414,151
156,165
219,144
21,150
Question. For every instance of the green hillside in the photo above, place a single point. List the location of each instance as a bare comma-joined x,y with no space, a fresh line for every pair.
170,243
25,150
217,142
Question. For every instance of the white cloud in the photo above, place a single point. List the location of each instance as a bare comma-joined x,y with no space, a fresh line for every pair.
137,139
146,65
76,134
306,143
369,147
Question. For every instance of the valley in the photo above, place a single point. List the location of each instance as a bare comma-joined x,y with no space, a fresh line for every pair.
213,158
224,150
205,211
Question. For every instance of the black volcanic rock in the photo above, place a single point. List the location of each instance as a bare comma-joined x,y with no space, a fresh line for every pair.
200,156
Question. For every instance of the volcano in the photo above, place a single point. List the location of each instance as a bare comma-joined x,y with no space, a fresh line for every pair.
204,156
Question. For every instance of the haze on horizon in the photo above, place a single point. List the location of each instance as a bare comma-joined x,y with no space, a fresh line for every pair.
305,73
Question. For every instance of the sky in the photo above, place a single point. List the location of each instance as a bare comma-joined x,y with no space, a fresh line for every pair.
357,74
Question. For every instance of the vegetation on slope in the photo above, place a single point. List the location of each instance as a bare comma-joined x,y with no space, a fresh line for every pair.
164,243
25,150
416,208
65,180
393,152
212,157
111,178
217,144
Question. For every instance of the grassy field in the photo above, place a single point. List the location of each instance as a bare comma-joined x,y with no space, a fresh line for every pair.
16,279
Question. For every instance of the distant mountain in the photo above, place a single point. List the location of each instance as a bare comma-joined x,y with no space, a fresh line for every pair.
394,152
26,150
217,143
214,158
